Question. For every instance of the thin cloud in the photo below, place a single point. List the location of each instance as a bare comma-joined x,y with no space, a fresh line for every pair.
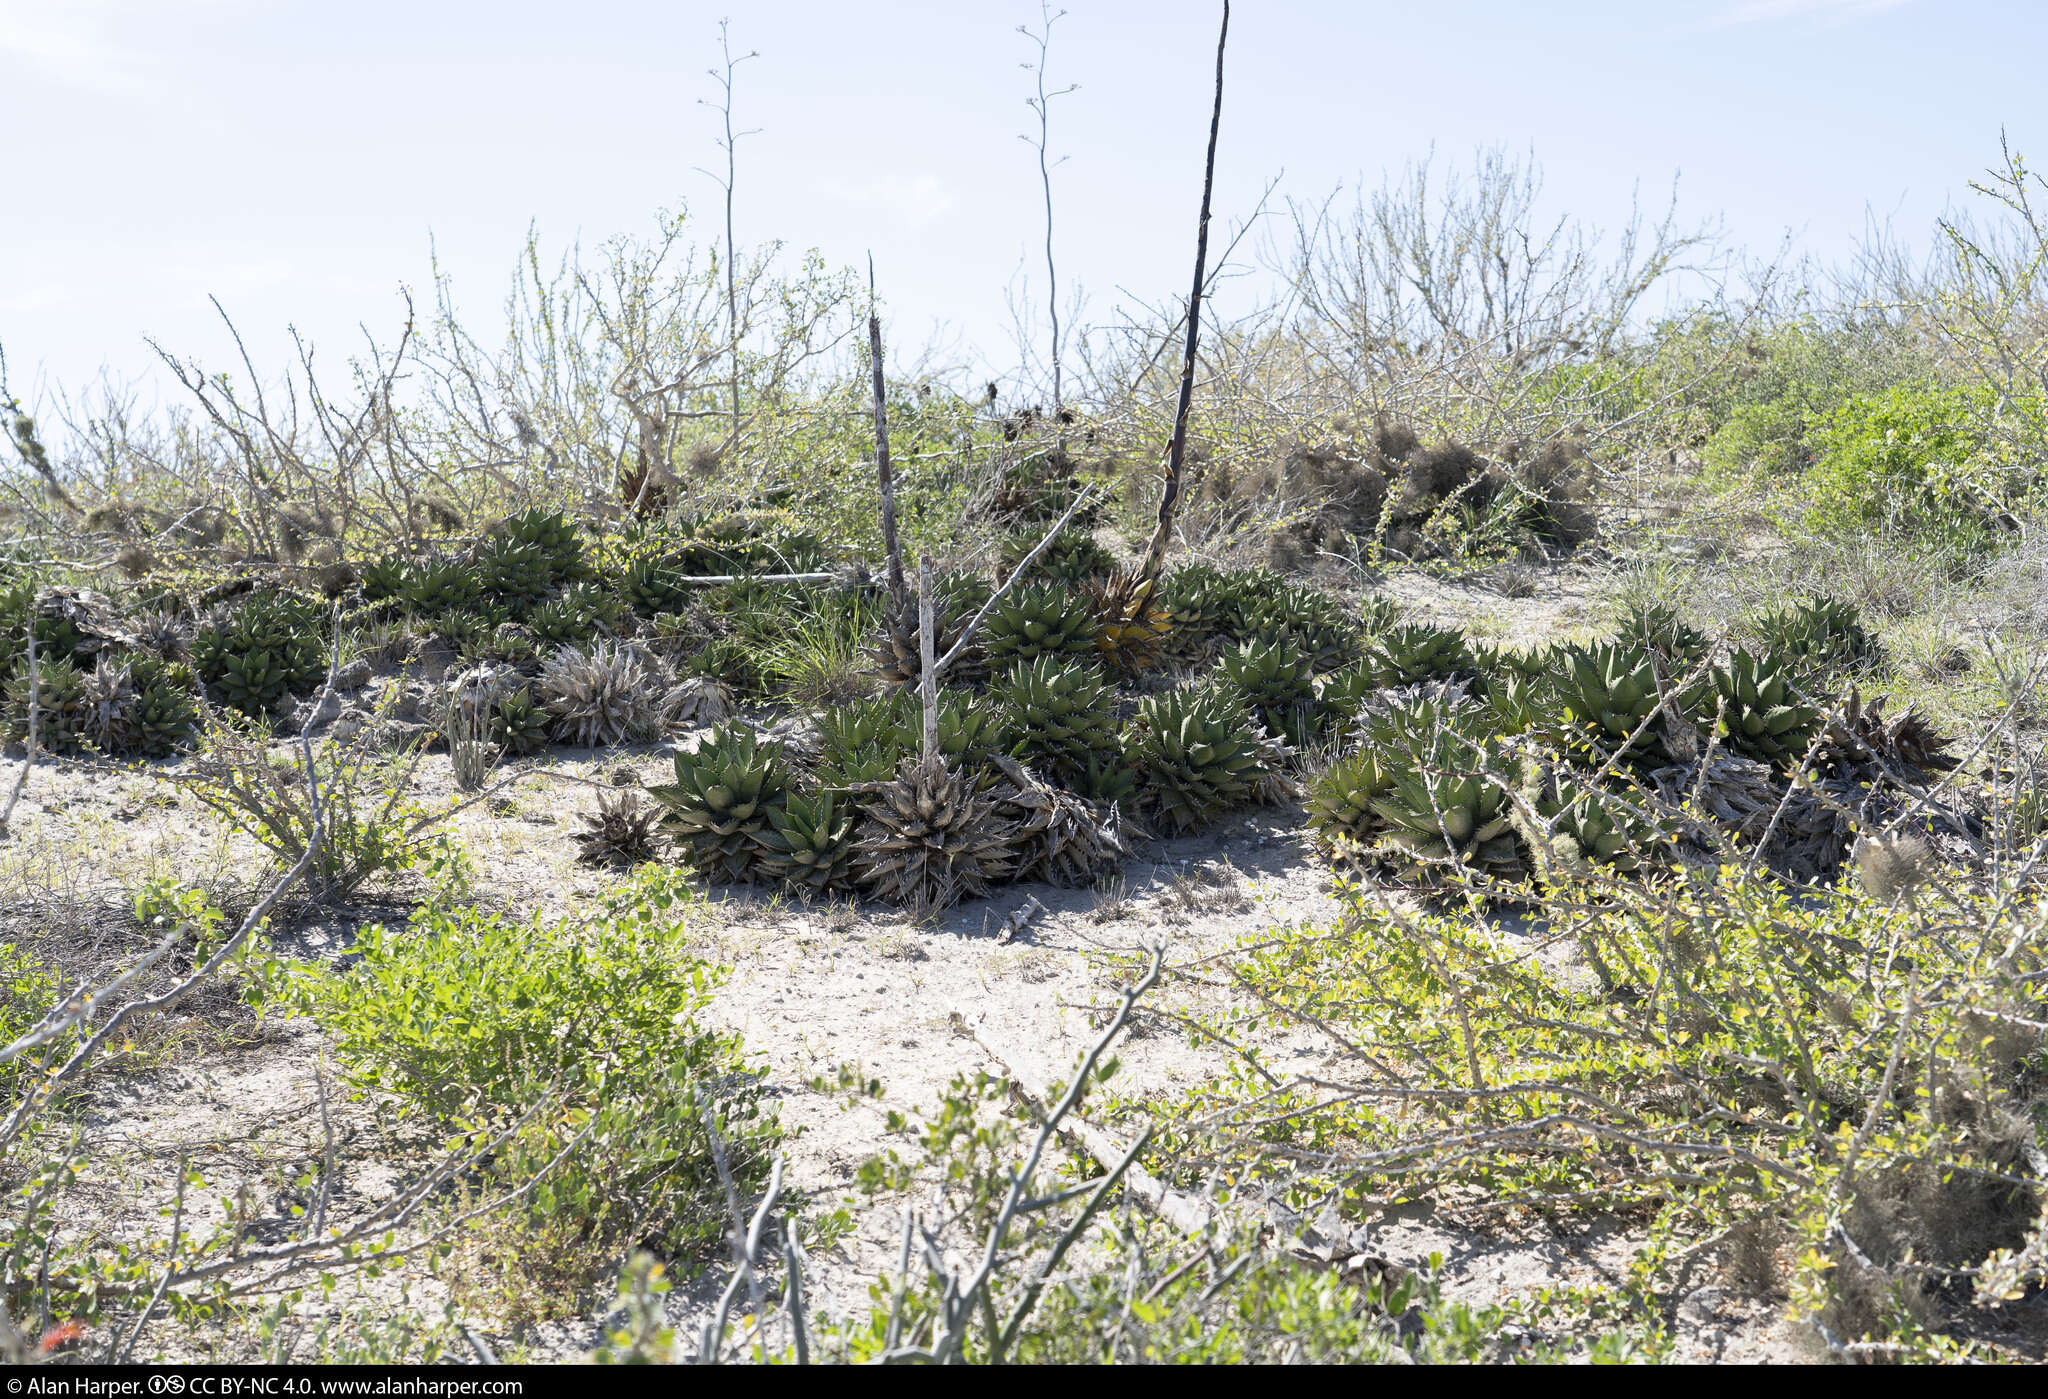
1827,11
78,43
917,200
72,43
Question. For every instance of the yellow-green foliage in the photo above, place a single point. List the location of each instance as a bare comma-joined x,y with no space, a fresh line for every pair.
1913,461
580,1039
1729,1057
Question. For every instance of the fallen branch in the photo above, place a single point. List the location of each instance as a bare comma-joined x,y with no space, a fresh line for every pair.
1182,1211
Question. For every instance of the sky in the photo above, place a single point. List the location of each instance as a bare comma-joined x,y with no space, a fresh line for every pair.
298,160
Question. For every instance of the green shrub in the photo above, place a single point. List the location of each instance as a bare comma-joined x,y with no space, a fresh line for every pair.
370,825
581,1039
1909,462
1787,383
1755,1073
27,991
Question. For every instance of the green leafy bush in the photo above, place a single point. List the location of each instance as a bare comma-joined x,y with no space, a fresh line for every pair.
27,991
1754,1076
1787,383
580,1039
1909,462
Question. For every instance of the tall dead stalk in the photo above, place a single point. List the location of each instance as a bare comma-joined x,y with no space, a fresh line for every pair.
732,297
1040,106
1176,452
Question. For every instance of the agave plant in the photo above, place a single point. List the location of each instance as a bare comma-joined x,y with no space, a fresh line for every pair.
60,703
1659,627
1822,634
1205,610
1108,783
439,585
1310,624
619,832
897,655
652,584
107,720
474,695
1611,699
1859,736
1340,806
693,701
165,631
717,808
1342,697
1379,613
1131,629
605,696
1442,806
520,723
71,624
264,653
1416,653
808,844
562,621
847,730
928,838
1197,755
1275,681
1587,825
866,740
1059,838
384,577
970,728
729,662
1762,716
553,535
1039,619
165,712
1517,703
513,573
1061,716
1071,559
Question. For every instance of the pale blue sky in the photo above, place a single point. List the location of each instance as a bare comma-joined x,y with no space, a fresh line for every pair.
293,158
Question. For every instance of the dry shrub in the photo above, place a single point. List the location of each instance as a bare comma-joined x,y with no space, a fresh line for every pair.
1387,489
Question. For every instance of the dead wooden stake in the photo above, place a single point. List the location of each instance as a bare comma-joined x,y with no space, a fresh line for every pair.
928,670
883,475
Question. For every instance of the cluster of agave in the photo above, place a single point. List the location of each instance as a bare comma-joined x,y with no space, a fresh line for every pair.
262,653
1039,755
1422,789
1425,780
927,833
101,685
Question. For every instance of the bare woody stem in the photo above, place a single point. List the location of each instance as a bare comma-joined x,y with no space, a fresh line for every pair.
1176,453
898,594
